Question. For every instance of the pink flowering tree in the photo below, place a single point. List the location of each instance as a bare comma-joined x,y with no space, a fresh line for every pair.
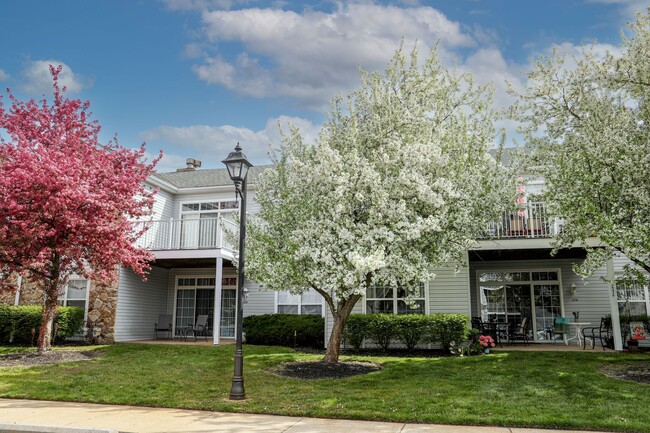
67,201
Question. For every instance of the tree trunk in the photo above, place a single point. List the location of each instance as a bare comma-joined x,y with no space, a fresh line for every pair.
340,318
47,320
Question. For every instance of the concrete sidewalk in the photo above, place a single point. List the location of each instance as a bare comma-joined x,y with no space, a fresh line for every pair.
76,416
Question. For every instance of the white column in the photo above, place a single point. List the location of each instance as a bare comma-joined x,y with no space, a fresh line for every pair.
613,302
216,326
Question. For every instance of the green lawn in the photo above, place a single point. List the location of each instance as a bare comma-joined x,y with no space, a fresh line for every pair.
545,389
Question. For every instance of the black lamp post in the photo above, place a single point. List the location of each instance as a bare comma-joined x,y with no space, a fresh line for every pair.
238,166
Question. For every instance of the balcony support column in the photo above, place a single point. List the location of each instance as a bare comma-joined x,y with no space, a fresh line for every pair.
216,326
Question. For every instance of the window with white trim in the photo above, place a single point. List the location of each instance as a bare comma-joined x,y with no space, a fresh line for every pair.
632,299
384,299
75,293
310,302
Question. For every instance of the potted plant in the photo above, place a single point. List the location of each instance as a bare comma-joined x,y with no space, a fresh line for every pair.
487,342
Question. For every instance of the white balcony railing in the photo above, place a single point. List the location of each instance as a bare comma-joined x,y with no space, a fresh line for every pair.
529,220
186,234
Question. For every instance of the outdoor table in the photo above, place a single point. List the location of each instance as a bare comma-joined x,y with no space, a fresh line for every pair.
578,326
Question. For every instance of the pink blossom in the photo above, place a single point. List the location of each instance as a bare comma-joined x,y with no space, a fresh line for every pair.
67,201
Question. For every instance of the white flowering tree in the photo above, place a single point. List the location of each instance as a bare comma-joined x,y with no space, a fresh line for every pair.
399,181
587,123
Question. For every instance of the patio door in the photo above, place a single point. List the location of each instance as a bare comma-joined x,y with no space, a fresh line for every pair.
228,307
194,297
508,297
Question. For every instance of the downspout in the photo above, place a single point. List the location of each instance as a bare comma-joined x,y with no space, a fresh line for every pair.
19,284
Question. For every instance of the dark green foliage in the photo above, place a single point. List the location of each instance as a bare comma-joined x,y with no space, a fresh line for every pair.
285,330
409,329
445,328
68,322
20,324
355,330
381,329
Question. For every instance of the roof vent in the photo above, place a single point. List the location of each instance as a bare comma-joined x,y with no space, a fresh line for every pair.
192,164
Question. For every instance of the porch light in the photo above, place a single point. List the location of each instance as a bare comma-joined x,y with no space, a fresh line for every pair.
574,288
238,166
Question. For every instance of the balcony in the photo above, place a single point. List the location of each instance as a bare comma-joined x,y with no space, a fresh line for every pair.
186,234
529,221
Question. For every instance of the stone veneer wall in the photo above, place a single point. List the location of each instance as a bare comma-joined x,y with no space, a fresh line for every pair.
102,304
30,294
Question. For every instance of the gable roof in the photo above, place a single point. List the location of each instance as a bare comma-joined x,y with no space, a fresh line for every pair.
205,178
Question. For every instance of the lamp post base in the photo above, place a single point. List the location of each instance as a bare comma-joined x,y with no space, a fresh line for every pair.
237,390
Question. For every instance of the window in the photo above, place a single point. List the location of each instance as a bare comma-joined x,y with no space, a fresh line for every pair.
200,222
75,293
384,299
632,299
309,302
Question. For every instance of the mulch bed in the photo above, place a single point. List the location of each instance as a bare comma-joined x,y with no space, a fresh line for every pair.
322,370
636,371
30,359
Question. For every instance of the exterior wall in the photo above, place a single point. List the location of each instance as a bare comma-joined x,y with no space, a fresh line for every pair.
101,312
163,205
30,294
8,290
139,304
260,301
592,295
448,292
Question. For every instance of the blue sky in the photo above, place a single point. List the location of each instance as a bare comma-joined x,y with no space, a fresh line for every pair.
194,77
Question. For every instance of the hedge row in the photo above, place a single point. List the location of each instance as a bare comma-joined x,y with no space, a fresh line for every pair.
20,324
291,330
408,329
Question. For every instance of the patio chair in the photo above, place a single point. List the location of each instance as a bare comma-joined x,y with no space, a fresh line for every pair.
603,333
560,328
164,325
520,332
200,327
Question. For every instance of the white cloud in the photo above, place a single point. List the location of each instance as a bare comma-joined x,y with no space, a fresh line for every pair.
211,144
313,55
488,65
38,79
628,8
3,75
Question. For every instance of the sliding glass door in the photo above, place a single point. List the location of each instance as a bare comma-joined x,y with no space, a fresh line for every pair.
508,297
195,296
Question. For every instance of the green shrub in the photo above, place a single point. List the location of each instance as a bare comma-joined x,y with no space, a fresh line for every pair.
410,329
285,330
445,328
69,321
381,329
355,330
20,324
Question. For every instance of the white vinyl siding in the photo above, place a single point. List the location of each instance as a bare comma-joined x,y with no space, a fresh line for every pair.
140,303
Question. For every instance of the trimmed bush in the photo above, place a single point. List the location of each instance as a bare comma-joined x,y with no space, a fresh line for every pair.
355,330
20,324
289,330
381,329
445,328
408,329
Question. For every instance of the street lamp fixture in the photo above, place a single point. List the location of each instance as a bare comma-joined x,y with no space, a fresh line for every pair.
238,166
